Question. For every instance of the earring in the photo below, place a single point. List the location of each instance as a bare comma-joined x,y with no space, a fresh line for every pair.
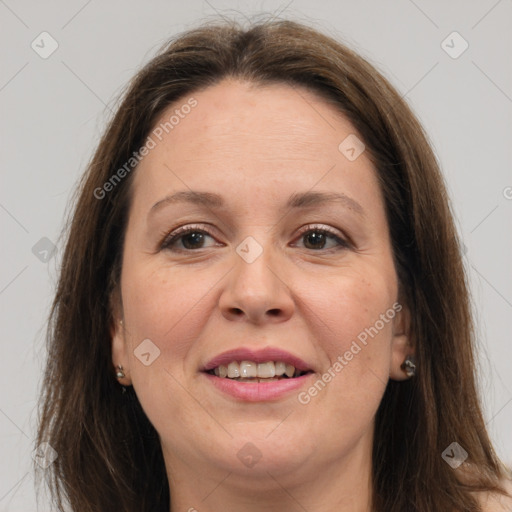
409,366
120,373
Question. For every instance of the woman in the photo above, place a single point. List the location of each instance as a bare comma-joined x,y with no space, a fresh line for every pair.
262,304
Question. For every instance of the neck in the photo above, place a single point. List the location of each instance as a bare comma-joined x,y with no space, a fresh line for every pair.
342,484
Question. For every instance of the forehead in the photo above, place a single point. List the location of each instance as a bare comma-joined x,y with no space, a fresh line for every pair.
248,117
274,136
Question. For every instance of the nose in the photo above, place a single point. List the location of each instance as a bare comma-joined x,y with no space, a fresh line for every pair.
256,290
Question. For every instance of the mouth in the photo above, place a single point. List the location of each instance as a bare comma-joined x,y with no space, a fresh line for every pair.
251,371
249,375
266,363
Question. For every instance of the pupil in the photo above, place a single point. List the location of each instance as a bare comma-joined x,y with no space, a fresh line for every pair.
195,236
316,237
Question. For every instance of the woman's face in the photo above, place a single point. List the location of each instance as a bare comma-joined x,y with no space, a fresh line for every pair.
257,272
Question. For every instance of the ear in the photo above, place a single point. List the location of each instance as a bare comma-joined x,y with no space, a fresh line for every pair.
401,345
118,337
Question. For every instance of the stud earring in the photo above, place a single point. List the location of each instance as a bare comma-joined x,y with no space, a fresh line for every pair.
409,366
120,373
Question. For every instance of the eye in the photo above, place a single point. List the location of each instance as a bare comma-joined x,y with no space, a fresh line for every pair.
191,238
316,237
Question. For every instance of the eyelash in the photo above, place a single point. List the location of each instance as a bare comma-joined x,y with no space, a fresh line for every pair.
174,236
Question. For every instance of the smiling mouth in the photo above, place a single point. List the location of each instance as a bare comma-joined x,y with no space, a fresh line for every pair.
250,371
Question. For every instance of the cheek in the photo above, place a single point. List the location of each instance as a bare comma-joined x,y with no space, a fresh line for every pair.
355,321
163,301
351,304
166,306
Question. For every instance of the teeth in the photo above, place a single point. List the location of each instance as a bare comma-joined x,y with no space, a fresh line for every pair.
233,370
289,370
256,380
221,371
280,368
266,370
248,370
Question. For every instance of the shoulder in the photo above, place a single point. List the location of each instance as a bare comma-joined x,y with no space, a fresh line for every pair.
491,502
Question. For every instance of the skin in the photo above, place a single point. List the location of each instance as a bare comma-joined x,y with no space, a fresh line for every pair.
256,146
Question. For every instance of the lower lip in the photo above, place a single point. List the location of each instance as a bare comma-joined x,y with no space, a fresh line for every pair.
258,391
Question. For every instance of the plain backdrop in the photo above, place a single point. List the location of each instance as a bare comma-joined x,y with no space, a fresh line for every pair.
54,107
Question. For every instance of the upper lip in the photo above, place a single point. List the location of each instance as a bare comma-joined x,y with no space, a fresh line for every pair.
258,356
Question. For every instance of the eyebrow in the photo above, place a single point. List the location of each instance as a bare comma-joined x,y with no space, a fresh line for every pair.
295,201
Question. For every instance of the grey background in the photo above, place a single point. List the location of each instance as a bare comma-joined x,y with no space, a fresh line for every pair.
54,109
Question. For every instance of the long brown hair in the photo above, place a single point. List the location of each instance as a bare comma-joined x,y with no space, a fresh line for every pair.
109,454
